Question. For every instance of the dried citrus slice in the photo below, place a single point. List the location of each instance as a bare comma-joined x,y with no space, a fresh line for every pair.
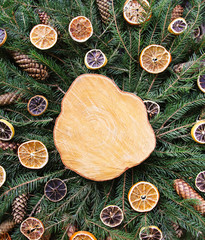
111,216
32,228
153,108
80,29
43,36
3,36
150,233
6,130
136,12
177,26
200,181
143,196
55,190
37,105
155,59
198,132
33,154
201,83
2,176
5,236
82,235
95,59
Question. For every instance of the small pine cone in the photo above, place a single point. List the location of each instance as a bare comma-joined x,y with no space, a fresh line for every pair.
185,191
71,229
104,7
179,231
6,226
34,69
9,145
19,206
43,16
108,238
9,98
177,12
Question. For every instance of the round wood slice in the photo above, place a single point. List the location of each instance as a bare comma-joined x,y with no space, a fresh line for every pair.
101,130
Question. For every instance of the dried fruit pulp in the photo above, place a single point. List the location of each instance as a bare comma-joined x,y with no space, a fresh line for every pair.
150,233
37,105
200,181
95,59
177,26
6,130
2,176
198,132
111,216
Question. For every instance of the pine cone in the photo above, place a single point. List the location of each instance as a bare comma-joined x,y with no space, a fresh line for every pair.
71,229
178,67
177,12
9,98
19,206
185,191
34,69
6,226
104,7
179,231
9,145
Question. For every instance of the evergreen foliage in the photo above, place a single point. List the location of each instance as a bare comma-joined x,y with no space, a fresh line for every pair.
180,100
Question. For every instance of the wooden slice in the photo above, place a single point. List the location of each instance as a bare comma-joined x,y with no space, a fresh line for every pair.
101,130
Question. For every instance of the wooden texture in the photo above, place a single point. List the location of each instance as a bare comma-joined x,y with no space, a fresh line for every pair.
102,131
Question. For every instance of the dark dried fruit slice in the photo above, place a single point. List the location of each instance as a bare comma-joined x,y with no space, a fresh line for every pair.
3,36
201,83
200,181
198,132
6,130
55,190
95,59
177,26
111,216
32,228
37,105
150,233
153,108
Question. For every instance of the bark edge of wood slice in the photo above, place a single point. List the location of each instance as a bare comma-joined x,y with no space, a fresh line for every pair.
102,131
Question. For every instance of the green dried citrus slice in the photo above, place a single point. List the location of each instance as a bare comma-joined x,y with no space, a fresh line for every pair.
111,216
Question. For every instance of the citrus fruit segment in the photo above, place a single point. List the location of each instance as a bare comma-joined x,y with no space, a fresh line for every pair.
33,154
136,12
150,233
37,105
5,236
95,59
3,36
55,190
201,83
32,228
111,216
2,176
198,132
143,196
155,59
177,26
153,108
6,130
43,36
82,235
80,29
200,181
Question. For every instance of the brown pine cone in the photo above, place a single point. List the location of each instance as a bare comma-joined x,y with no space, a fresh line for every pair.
71,229
179,231
177,12
104,7
6,226
9,145
9,98
19,206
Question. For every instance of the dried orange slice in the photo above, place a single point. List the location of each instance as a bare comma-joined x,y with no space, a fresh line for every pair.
37,105
2,176
80,29
112,216
82,235
32,228
177,26
95,59
201,83
6,130
3,36
5,236
143,196
200,181
198,132
33,154
155,59
136,12
150,233
153,108
43,36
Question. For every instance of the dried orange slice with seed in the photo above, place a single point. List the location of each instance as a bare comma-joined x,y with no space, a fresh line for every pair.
143,196
32,228
2,176
177,26
82,235
136,12
155,58
95,59
6,130
198,132
200,181
33,154
201,83
37,105
150,233
153,108
3,36
43,36
112,216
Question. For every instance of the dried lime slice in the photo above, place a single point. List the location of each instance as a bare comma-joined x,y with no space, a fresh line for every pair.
111,216
95,59
198,132
6,130
152,107
37,105
150,233
200,181
201,83
177,26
